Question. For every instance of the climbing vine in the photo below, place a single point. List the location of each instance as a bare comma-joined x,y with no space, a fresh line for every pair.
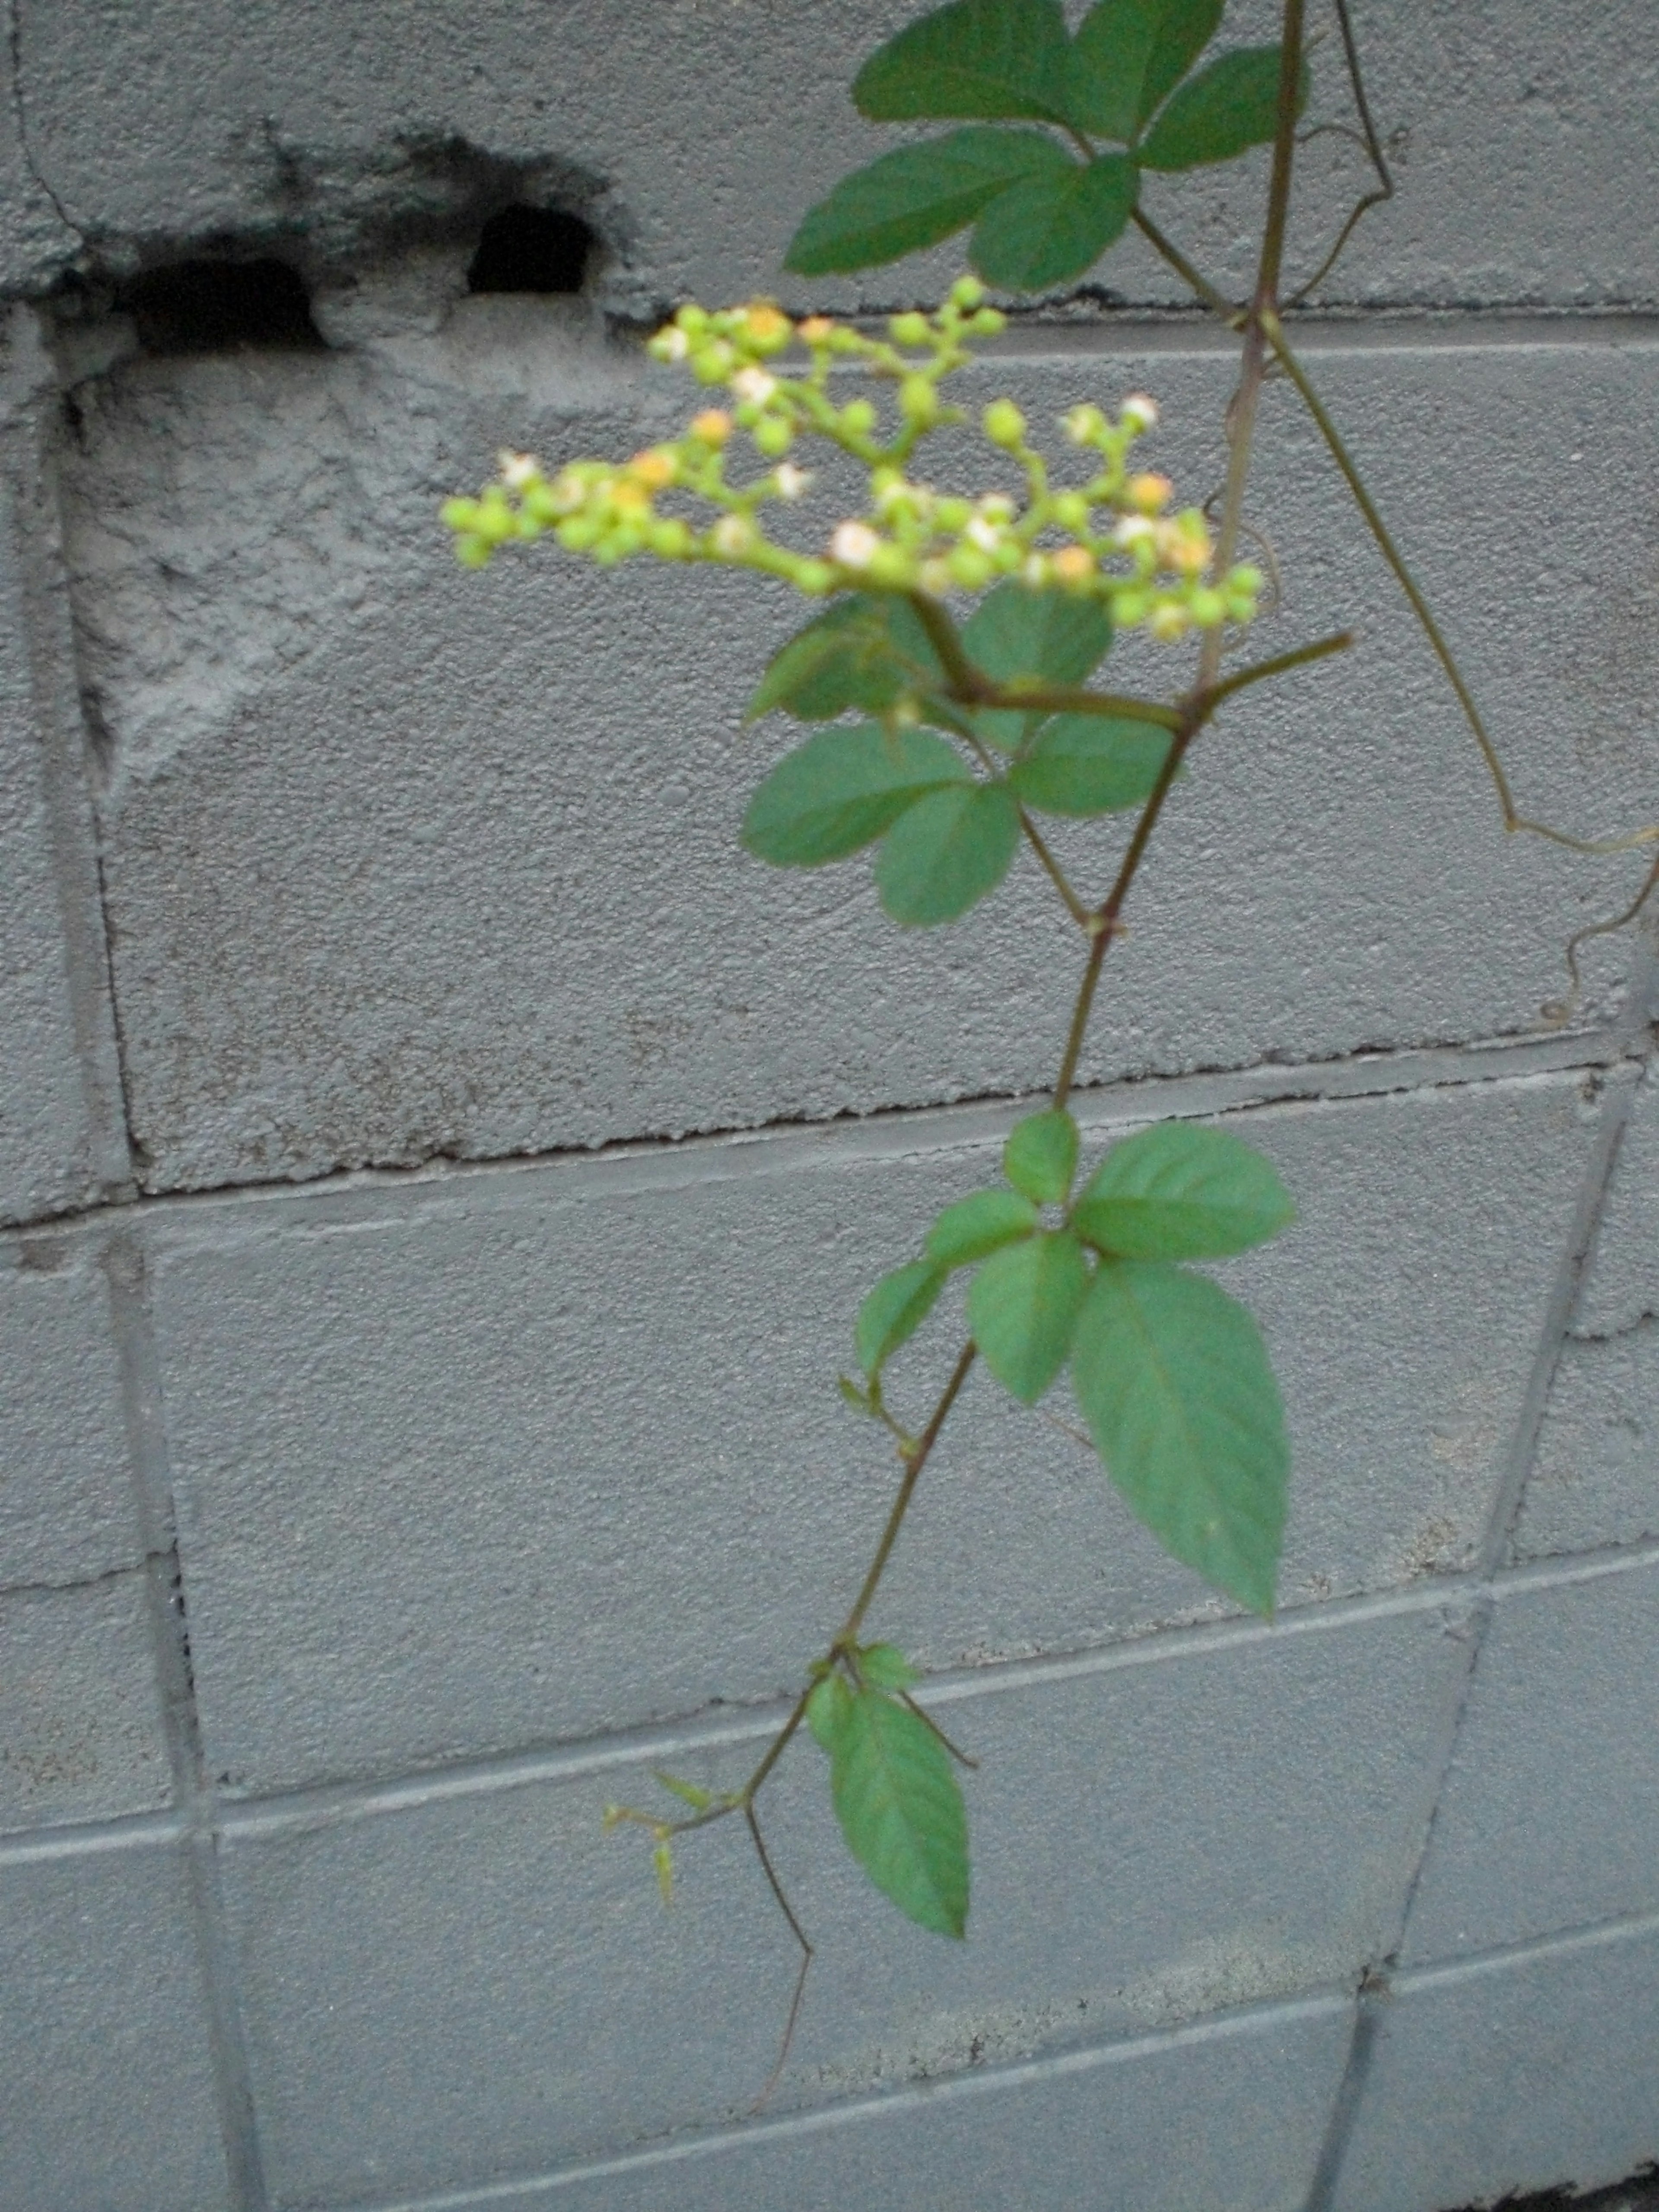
950,674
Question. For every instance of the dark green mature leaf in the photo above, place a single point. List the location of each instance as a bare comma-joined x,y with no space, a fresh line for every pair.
1173,1383
946,852
1110,54
1231,106
892,1313
884,1666
1181,1192
1185,28
1040,1157
1049,228
975,1227
1090,764
915,196
827,1710
988,58
901,1811
1023,1308
1047,637
864,652
841,789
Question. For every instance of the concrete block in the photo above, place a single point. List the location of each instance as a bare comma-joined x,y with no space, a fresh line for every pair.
1227,2113
1620,1290
1499,2078
81,1733
514,1456
699,138
473,1982
1593,1482
66,1502
35,241
105,2082
59,1133
1547,1818
403,863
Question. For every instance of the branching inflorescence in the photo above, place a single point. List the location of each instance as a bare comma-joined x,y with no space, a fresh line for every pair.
962,628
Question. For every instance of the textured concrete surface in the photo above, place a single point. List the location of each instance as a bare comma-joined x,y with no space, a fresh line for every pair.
357,1542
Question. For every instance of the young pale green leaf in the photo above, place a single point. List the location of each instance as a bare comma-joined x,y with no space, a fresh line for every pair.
901,1810
841,789
884,1666
1023,1308
1185,27
1231,106
1182,1192
1173,1383
916,196
975,1227
689,1793
1090,764
827,1709
986,58
1049,228
946,852
1108,58
892,1313
1040,1158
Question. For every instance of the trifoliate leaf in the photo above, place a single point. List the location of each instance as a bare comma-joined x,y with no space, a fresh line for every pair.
1043,637
975,1227
1023,1308
884,1666
946,852
899,1808
1231,106
974,57
843,788
892,1313
915,196
1040,1157
1173,1383
1185,27
1181,1192
1090,764
1108,58
1051,227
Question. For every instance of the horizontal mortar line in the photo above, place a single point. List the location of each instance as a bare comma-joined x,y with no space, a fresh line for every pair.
627,1165
1383,330
1524,1951
119,1832
1245,2020
309,1806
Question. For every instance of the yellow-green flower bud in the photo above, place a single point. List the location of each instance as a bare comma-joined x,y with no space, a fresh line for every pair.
858,415
969,567
892,566
918,399
461,513
967,292
774,437
1004,425
911,329
1072,512
1084,425
472,552
815,578
670,539
1208,607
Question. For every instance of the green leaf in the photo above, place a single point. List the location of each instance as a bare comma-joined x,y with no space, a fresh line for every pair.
1090,764
842,789
975,1227
1227,107
1181,1192
1049,228
915,196
1040,1157
884,1666
892,1313
901,1811
946,852
1173,1383
1024,1307
687,1792
1185,28
827,1710
1108,60
1045,637
866,652
975,58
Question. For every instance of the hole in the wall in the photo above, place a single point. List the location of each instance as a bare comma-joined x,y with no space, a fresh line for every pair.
211,307
529,249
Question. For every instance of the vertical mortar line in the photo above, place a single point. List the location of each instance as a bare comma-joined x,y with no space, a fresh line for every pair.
1632,1036
124,1267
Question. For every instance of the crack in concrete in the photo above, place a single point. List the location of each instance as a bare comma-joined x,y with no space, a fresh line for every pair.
14,44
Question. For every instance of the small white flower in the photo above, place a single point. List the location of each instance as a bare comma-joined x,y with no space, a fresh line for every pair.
672,344
997,506
1140,410
791,481
517,470
733,534
752,383
855,545
985,535
1035,571
1133,529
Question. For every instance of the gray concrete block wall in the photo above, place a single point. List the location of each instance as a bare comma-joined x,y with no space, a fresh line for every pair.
414,1110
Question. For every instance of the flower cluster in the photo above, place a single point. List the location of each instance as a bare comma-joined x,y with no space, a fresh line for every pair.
1110,536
